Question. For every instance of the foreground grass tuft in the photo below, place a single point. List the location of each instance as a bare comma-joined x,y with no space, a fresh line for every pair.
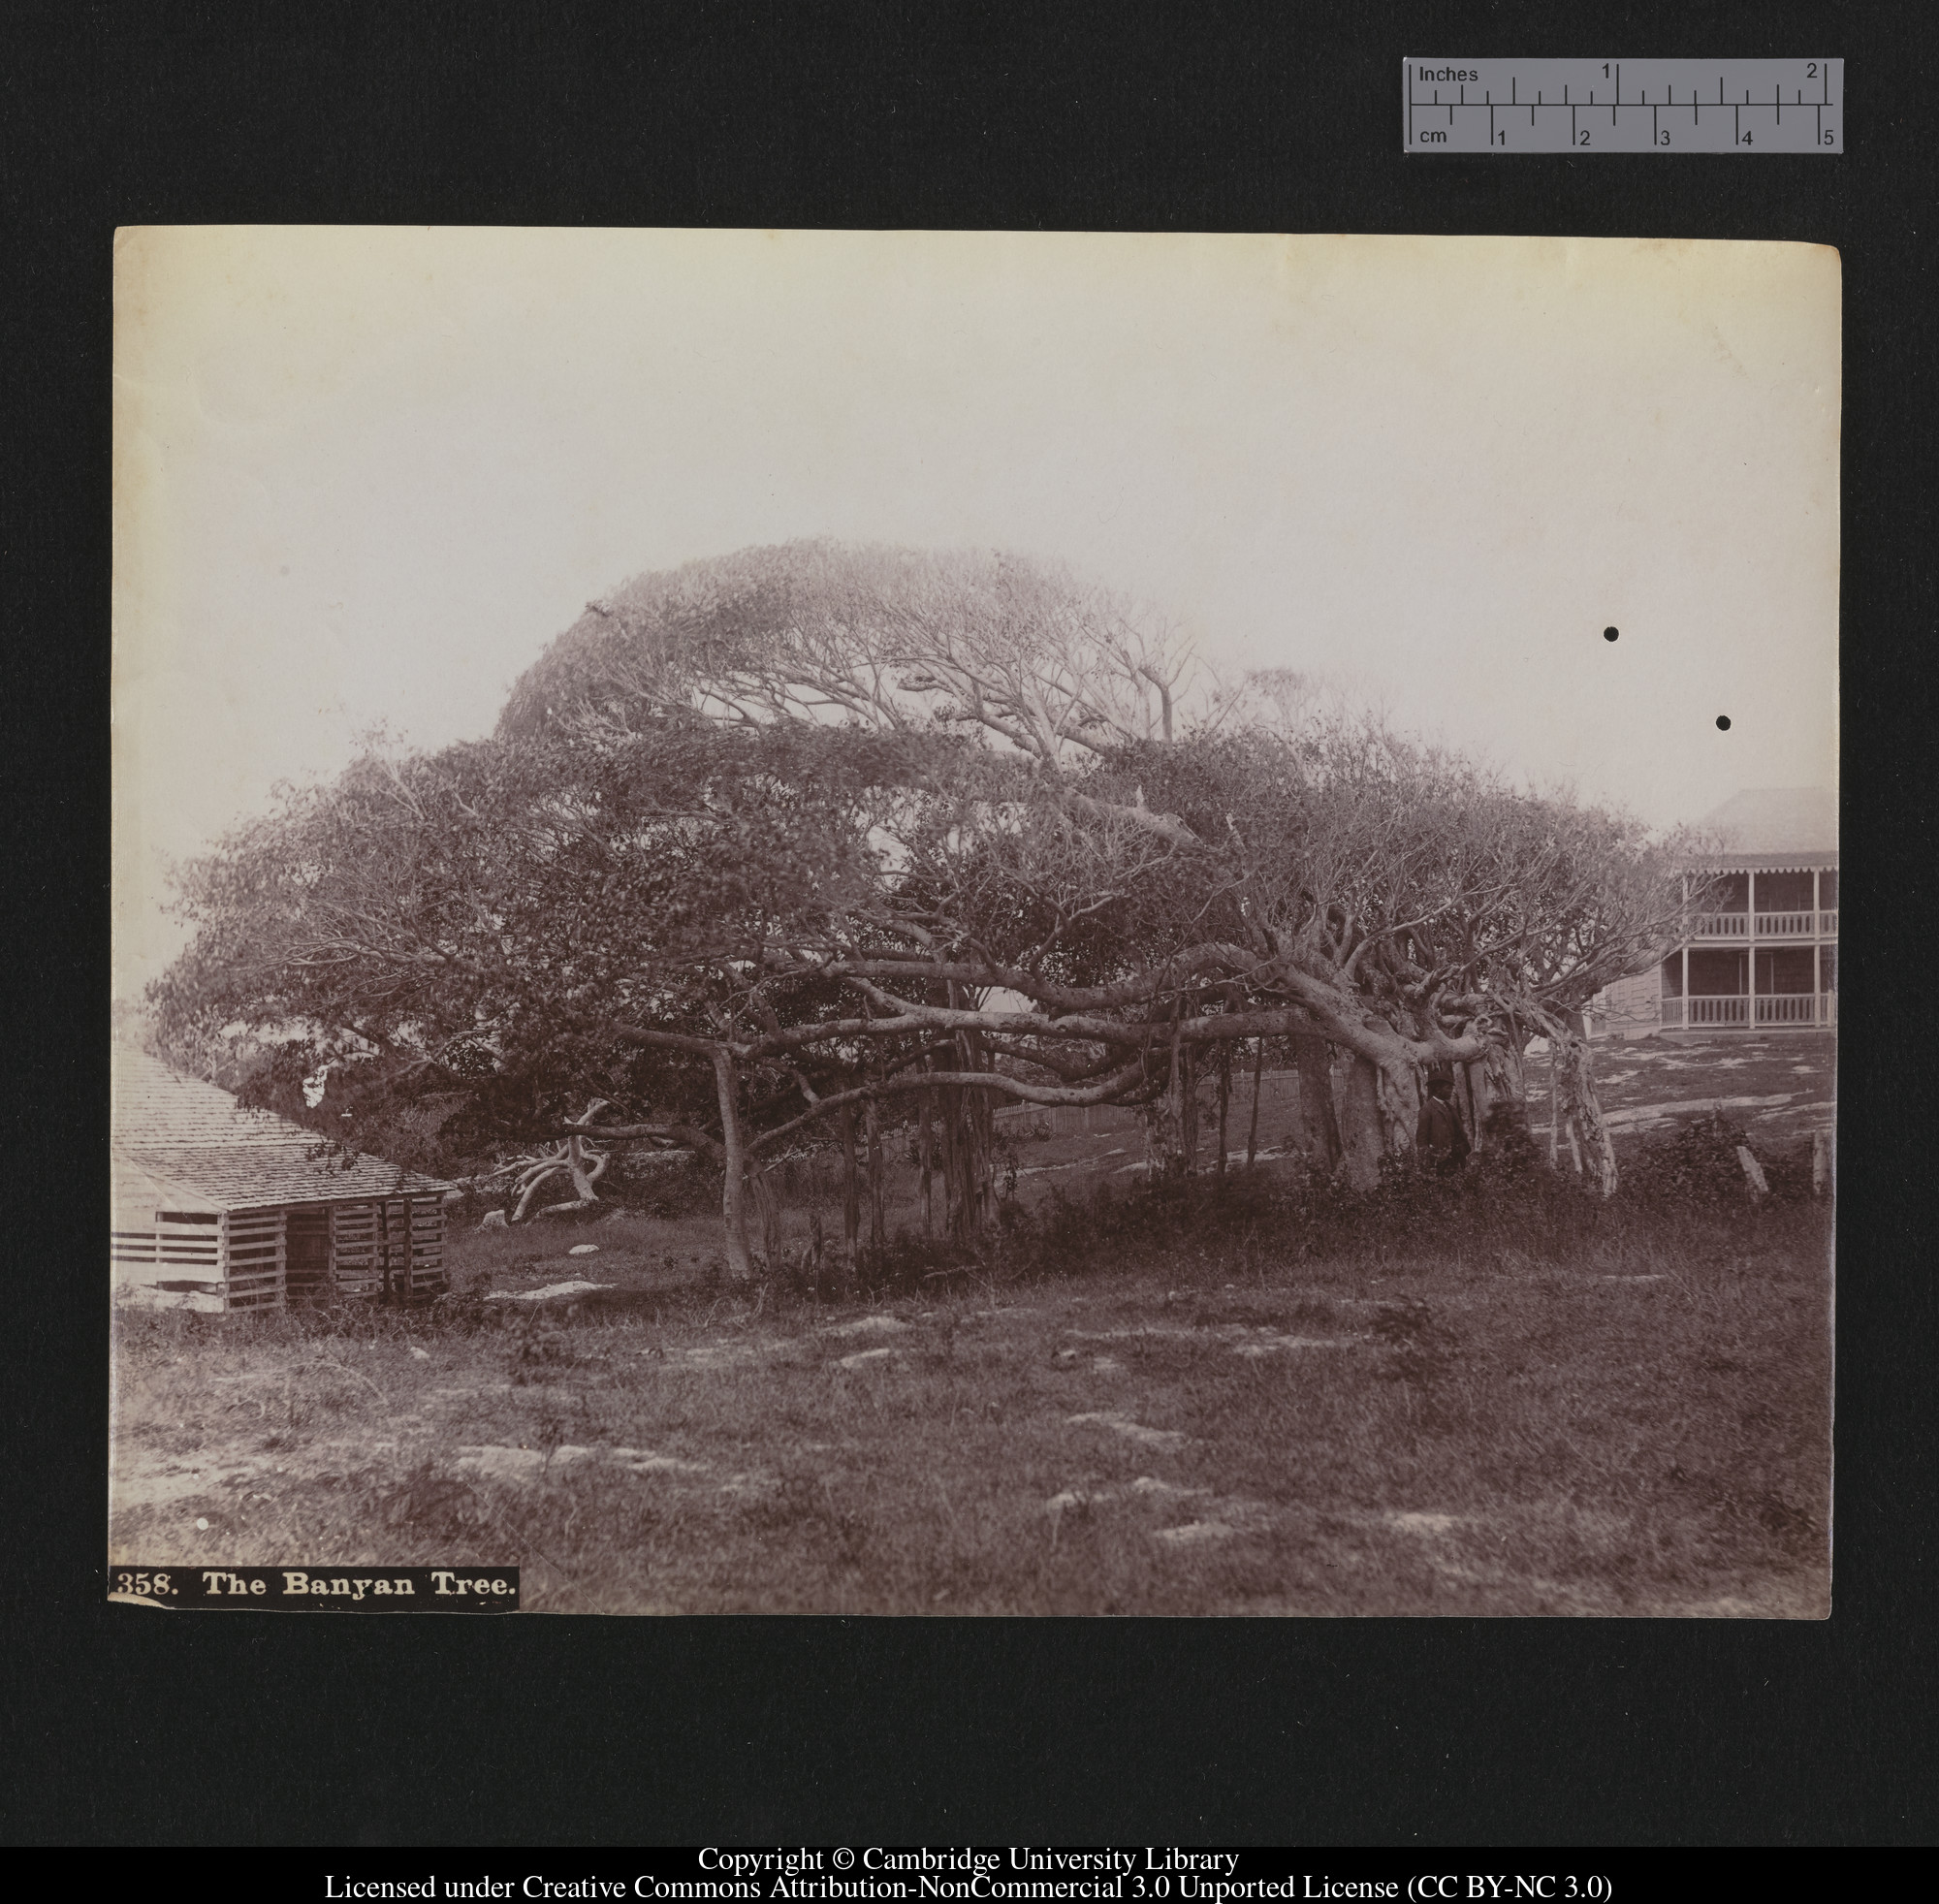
1183,1400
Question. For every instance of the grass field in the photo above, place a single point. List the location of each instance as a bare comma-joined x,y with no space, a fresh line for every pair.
1212,1421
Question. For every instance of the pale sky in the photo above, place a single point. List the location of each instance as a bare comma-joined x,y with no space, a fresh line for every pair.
366,475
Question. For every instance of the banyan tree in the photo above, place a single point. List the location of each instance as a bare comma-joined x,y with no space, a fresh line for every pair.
814,841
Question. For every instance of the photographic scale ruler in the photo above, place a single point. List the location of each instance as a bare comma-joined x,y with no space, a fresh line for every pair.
1589,106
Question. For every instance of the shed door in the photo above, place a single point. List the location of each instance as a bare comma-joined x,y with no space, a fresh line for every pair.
309,1245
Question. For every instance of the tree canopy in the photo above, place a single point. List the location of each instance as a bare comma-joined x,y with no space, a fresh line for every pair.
807,830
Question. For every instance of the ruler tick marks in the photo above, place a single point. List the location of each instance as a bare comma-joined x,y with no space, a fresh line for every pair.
1642,113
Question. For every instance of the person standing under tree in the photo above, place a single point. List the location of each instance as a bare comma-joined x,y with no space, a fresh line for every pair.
1439,1137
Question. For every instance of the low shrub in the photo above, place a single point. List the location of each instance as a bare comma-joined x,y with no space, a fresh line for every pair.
665,1186
1506,1202
1696,1168
1683,1193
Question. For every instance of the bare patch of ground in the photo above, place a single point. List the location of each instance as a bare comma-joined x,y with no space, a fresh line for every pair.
1132,1431
1643,1428
1778,1086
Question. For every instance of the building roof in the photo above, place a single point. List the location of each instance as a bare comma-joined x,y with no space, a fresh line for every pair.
187,1144
1764,820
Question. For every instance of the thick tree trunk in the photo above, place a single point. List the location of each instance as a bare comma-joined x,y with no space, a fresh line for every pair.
767,1195
585,1171
1164,1116
584,1167
967,1134
1471,1090
528,1187
1363,1140
1579,1112
966,1143
1317,1130
1505,1078
1400,1104
734,1172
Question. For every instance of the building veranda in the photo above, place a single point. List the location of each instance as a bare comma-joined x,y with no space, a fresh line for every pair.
1760,950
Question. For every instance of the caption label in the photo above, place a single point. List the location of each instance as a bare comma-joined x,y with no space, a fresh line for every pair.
319,1589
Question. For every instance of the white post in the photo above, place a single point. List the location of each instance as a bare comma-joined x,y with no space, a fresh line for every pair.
1816,953
1750,950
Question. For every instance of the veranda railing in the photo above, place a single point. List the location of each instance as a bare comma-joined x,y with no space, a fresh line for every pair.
1770,1008
1769,924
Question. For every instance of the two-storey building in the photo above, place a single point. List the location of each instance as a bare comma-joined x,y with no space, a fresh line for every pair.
1760,945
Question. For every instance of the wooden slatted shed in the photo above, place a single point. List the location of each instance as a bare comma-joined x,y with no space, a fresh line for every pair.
217,1207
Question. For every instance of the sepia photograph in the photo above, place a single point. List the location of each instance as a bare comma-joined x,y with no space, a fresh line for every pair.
976,923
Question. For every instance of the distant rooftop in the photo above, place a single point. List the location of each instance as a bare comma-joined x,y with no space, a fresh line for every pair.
1776,820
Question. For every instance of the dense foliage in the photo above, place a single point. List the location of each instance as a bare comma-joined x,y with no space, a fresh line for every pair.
771,843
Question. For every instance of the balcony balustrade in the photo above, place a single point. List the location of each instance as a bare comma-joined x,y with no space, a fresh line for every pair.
1720,925
1769,924
1734,1008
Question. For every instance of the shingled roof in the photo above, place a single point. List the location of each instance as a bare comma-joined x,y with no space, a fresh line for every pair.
186,1145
